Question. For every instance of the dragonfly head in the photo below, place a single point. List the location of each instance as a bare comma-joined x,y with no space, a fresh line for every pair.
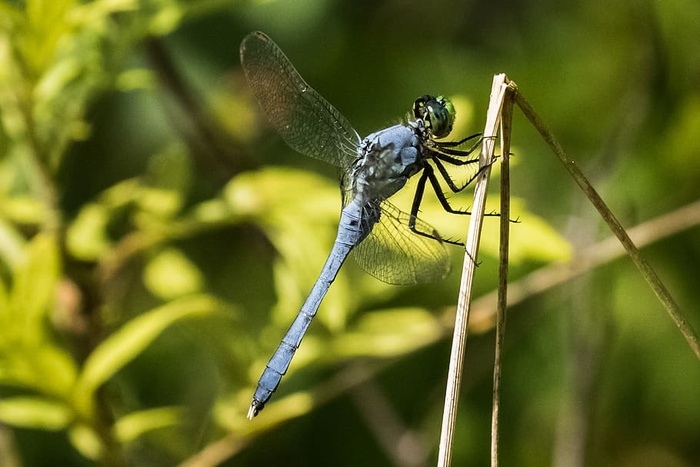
438,113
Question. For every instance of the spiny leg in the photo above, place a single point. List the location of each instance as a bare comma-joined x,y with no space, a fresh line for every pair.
448,178
448,147
418,197
429,174
443,152
437,188
415,208
451,144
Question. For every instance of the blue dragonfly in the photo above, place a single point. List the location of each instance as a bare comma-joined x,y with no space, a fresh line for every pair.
394,246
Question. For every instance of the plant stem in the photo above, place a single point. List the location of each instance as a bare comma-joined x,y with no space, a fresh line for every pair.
459,339
506,125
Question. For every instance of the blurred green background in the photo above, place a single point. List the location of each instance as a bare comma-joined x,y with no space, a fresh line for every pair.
157,237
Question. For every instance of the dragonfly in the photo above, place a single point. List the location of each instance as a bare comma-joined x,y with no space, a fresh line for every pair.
392,245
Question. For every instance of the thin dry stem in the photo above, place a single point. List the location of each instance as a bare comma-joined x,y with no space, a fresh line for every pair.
506,122
459,338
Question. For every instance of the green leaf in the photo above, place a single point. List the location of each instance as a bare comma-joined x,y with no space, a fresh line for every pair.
167,181
31,359
121,194
167,19
136,78
37,365
389,333
46,23
5,315
532,238
130,341
86,441
35,412
9,14
12,244
129,427
171,274
87,235
269,194
23,209
35,282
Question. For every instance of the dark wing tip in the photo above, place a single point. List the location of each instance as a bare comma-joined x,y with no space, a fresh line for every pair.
255,35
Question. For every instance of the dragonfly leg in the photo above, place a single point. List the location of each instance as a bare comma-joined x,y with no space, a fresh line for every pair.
448,178
444,152
455,156
437,188
415,207
451,144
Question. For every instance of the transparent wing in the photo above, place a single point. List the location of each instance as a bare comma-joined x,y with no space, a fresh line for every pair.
304,119
394,254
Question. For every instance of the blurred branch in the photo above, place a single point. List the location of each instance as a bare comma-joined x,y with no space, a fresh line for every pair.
595,255
221,156
8,448
401,444
587,327
40,171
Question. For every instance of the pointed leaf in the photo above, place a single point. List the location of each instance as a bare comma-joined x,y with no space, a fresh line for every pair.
131,426
87,237
389,333
171,274
35,412
86,441
128,342
35,280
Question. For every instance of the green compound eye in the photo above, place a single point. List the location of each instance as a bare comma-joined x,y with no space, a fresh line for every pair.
438,113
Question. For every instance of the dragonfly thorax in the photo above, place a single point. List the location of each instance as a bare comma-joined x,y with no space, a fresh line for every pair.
386,160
